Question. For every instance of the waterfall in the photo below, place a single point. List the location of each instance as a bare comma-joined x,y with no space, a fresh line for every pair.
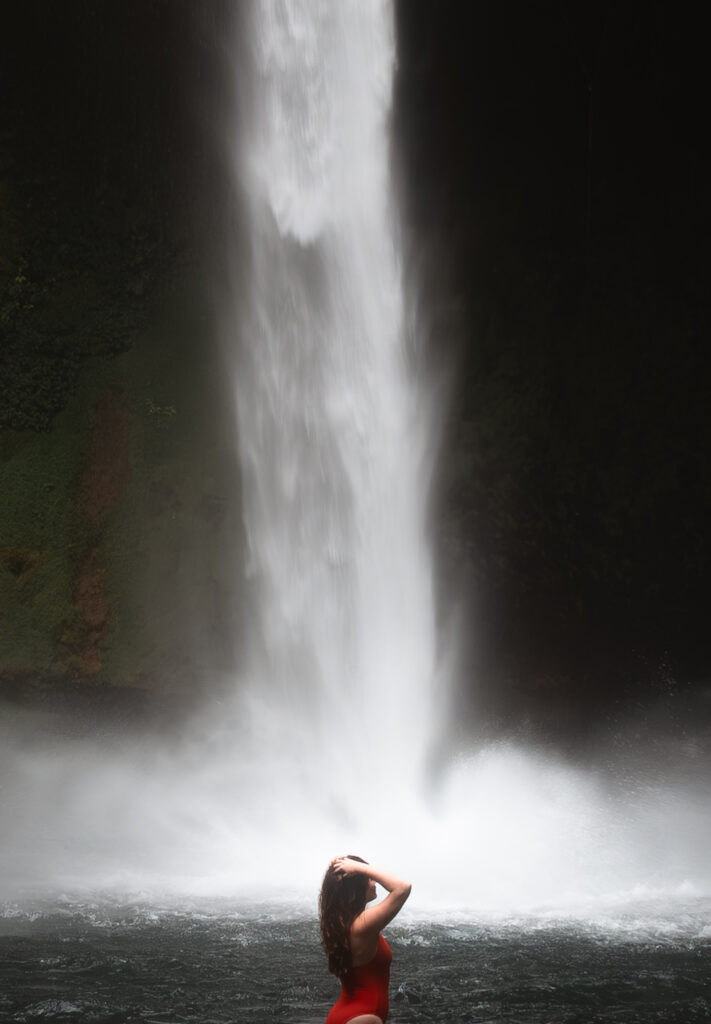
326,746
331,423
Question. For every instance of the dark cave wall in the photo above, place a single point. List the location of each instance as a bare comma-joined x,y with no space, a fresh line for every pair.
121,499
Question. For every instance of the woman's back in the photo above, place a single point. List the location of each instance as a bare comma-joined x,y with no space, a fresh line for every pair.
367,989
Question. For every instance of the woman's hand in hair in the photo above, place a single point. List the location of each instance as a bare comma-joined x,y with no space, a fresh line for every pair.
344,866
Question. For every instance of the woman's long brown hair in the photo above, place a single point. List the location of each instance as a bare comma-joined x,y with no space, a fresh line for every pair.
341,900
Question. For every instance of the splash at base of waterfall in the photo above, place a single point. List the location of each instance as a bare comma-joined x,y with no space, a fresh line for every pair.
507,831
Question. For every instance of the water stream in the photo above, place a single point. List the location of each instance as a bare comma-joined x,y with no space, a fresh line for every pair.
332,421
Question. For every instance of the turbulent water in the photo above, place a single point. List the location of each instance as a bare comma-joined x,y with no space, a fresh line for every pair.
99,962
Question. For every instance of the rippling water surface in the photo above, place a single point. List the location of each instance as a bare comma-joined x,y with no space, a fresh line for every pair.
108,962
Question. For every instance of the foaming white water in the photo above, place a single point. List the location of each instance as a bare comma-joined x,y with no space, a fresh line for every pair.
332,426
510,833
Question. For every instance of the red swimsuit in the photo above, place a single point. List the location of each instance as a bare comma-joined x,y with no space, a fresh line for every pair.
369,991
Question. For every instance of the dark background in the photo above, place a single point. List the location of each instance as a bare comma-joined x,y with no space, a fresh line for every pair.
555,187
556,150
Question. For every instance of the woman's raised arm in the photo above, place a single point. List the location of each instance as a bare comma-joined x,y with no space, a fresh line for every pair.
372,919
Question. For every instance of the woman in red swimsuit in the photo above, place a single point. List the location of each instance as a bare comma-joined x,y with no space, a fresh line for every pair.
357,953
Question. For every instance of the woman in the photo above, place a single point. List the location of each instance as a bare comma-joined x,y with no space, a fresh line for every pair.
357,953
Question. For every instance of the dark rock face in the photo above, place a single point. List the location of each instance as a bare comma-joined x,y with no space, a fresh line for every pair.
551,163
113,568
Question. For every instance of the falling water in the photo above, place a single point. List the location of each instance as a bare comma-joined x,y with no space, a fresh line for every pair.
338,700
332,424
